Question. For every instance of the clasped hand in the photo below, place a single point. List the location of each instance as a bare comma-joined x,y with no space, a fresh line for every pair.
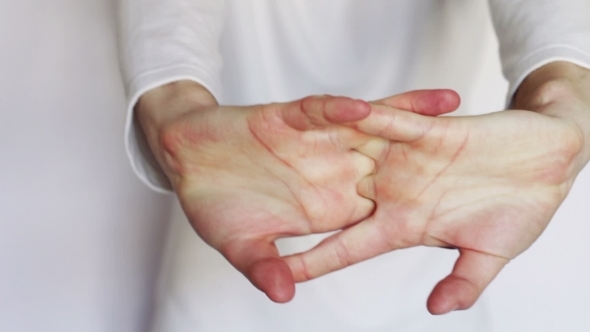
389,174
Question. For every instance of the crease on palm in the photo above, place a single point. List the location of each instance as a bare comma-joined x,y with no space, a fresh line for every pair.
417,183
475,183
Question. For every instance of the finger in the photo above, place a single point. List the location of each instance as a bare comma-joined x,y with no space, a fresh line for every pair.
393,124
321,111
374,147
364,209
366,187
352,245
425,102
363,165
261,263
472,273
333,110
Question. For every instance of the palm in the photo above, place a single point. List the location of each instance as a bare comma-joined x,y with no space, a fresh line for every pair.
290,178
477,184
250,175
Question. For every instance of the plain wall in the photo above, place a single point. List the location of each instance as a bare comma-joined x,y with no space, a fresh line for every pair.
80,236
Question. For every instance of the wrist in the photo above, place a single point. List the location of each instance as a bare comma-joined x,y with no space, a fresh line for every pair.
560,90
162,105
552,83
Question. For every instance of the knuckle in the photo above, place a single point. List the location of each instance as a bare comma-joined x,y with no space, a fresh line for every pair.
305,273
343,254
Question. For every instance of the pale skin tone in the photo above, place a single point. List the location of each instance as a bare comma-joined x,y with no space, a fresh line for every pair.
487,185
246,176
393,174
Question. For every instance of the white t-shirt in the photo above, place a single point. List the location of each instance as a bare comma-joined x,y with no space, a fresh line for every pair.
248,52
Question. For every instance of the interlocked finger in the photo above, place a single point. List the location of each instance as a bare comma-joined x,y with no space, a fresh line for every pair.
352,245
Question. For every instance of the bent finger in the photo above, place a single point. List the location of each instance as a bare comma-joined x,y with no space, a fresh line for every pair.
366,188
394,124
425,102
363,165
472,273
352,245
259,261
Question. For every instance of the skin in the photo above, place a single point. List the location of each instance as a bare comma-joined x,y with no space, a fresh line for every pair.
487,185
246,176
388,172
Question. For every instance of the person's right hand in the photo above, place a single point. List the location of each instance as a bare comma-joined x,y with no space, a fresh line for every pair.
246,176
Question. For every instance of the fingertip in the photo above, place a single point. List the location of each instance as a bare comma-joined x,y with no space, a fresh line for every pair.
343,110
273,277
363,107
450,99
438,102
472,273
451,294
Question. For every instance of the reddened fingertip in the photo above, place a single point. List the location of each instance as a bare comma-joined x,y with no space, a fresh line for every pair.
274,278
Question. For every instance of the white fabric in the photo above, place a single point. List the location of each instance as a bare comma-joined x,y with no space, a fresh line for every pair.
283,50
162,42
80,236
200,291
277,50
533,33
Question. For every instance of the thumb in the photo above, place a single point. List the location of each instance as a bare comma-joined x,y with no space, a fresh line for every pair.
425,102
260,262
472,273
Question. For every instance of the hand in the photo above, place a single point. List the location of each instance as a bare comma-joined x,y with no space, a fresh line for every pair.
487,185
246,176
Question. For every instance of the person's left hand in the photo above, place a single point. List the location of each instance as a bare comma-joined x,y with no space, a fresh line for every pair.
487,185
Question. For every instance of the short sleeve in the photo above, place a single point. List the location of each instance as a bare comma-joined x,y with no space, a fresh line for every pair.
162,41
533,33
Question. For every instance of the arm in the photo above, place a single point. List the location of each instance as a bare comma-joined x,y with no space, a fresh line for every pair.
163,42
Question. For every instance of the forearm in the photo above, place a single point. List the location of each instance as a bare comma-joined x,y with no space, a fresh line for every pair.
562,90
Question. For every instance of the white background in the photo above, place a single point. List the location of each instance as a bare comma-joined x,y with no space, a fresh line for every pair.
79,235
